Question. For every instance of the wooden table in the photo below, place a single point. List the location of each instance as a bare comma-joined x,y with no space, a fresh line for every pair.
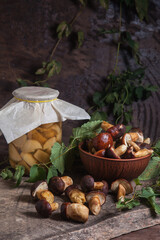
20,221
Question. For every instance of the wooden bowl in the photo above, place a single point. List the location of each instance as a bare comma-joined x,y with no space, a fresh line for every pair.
111,169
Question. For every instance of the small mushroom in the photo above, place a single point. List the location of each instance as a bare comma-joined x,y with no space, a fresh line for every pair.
44,208
116,153
102,141
57,185
95,200
75,211
122,187
75,195
88,184
117,131
38,187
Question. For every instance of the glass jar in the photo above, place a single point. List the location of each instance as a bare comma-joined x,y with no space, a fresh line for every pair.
35,146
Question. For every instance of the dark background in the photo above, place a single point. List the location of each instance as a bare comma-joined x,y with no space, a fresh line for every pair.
27,37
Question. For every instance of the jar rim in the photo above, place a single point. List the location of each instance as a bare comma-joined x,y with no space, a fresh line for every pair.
35,93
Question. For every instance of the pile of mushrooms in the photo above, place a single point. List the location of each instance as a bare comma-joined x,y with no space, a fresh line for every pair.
89,196
114,142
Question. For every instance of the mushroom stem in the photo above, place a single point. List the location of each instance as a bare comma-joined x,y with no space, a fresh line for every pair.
134,136
143,152
98,185
54,206
77,196
121,193
121,149
67,181
95,205
135,146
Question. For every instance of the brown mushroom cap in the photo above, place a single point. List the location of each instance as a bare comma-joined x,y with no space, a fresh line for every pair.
117,131
111,153
56,185
44,208
102,141
99,194
37,187
128,187
87,183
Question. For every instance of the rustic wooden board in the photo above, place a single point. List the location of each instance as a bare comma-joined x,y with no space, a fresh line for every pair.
19,219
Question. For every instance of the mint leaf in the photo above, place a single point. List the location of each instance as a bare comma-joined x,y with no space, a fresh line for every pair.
20,170
37,173
58,156
52,172
152,170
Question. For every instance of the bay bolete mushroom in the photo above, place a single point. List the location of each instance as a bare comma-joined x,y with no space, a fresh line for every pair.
102,141
122,187
75,211
75,195
95,200
44,208
46,195
88,184
57,185
105,125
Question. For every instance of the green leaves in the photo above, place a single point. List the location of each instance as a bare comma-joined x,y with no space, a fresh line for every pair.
50,68
104,3
80,38
63,29
142,9
145,195
121,91
37,173
52,172
127,204
152,170
57,156
6,173
19,171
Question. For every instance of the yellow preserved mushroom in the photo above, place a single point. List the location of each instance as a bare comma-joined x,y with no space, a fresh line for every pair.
35,146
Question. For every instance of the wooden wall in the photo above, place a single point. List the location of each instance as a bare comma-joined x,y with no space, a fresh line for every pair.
27,36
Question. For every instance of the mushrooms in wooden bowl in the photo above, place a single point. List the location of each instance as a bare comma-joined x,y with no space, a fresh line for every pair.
115,154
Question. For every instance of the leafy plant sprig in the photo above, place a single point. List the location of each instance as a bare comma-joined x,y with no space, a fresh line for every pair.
7,173
121,91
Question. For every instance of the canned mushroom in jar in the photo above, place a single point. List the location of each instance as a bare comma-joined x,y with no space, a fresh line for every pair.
35,146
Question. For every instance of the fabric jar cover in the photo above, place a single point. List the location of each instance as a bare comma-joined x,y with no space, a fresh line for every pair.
32,106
